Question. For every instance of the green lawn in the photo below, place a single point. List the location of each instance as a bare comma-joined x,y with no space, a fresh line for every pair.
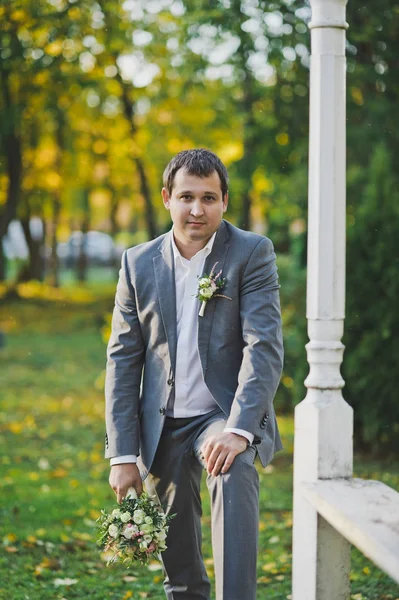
54,479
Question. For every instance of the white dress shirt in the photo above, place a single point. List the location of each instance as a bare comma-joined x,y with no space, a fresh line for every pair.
192,396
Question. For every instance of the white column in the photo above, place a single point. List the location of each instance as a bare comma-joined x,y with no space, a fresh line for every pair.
324,421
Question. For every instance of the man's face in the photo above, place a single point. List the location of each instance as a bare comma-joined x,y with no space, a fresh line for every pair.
196,206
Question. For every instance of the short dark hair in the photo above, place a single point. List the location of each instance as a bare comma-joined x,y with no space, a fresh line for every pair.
198,161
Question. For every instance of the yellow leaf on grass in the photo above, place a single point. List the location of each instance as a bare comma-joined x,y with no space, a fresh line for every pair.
11,537
58,473
128,594
157,578
366,571
15,428
31,539
269,566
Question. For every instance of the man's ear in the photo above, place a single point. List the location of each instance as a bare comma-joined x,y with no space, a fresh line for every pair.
225,201
165,198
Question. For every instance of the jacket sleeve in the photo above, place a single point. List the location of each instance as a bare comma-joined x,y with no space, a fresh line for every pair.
125,357
262,358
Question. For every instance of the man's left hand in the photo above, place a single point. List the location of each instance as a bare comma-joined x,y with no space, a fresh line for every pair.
220,451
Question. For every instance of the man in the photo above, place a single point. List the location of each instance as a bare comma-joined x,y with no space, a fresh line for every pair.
187,393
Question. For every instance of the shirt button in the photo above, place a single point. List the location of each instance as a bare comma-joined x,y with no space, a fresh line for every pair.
162,410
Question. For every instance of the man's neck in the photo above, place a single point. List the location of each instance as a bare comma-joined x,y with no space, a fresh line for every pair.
188,249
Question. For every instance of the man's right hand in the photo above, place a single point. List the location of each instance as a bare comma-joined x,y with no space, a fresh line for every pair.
124,476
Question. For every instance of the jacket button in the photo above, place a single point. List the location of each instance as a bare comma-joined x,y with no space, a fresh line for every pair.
170,382
162,410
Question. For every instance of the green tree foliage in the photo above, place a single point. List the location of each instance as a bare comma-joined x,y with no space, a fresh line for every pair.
372,322
97,95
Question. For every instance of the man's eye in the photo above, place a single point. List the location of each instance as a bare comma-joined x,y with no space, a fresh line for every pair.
185,197
209,198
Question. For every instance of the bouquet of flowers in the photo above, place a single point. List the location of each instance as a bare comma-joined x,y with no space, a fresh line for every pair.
136,530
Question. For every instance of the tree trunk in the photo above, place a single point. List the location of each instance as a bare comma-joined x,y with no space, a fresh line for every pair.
128,111
12,144
83,262
54,262
145,190
34,269
3,268
14,172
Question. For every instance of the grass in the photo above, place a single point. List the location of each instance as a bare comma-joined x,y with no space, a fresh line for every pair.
54,479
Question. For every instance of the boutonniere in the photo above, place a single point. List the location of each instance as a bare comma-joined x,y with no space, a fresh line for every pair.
208,285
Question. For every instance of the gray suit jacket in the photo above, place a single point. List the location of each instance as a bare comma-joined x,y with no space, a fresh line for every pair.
239,342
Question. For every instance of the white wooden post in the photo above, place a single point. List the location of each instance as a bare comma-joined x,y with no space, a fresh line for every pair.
324,421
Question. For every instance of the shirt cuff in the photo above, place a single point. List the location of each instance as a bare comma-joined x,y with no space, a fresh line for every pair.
121,460
246,434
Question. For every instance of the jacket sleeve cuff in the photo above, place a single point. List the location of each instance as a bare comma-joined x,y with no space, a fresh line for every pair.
249,436
121,460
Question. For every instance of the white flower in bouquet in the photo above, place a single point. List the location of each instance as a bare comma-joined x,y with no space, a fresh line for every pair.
113,530
125,517
116,513
160,536
146,528
138,516
129,531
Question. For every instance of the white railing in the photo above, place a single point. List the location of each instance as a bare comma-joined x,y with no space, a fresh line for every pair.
331,510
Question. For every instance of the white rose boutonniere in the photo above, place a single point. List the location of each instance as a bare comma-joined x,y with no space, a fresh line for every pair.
207,286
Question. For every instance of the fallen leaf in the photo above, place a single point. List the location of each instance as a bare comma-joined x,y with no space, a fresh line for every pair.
269,566
274,539
153,566
58,473
129,578
65,581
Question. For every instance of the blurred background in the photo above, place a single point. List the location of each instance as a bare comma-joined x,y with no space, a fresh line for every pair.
95,98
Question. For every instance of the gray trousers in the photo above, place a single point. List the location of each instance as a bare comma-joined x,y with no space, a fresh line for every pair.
175,479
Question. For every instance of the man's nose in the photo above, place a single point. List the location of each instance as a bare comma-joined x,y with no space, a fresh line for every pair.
197,209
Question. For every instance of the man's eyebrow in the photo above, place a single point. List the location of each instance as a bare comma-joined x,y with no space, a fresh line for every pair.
190,192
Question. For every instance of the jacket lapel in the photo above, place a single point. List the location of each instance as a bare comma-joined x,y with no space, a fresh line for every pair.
164,272
218,255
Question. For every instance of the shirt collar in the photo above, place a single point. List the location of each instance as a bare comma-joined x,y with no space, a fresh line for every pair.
207,249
